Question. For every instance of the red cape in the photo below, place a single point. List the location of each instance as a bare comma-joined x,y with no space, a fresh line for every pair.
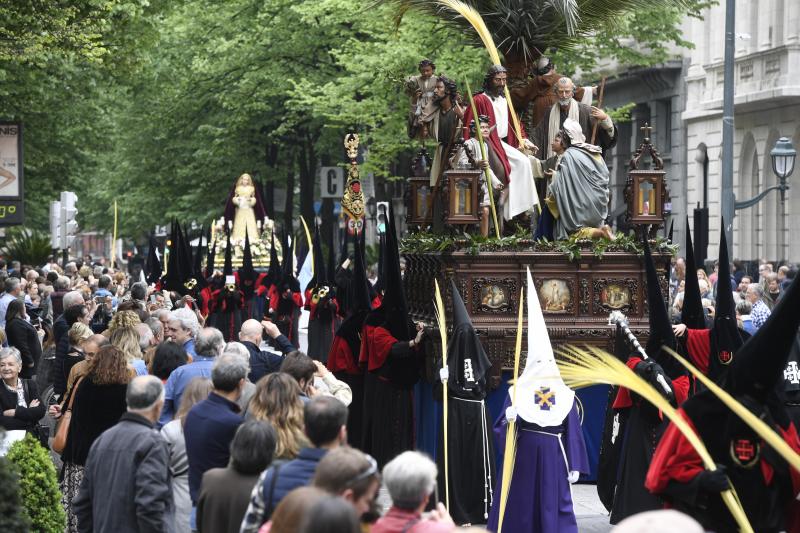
484,107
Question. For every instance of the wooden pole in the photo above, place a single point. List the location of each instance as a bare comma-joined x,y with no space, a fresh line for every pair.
599,105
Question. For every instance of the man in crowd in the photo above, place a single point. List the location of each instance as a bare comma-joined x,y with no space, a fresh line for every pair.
11,293
209,345
182,328
126,485
211,424
760,312
325,419
263,362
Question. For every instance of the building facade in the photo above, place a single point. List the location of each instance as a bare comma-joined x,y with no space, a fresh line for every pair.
682,100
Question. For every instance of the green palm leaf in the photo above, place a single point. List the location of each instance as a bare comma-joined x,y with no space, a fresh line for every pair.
524,29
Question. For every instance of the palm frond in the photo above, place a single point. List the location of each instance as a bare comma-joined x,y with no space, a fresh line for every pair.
438,305
584,367
524,29
756,424
510,453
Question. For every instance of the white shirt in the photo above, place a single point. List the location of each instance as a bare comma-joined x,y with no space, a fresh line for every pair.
500,114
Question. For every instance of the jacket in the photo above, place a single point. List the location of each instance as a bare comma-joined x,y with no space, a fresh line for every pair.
208,432
24,417
263,363
96,409
22,336
126,484
224,495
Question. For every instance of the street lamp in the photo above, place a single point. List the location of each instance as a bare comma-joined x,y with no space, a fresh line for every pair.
783,156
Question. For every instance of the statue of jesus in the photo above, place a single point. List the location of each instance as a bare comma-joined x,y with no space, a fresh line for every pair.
243,208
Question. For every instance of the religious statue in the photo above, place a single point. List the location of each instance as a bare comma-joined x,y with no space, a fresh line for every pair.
535,95
578,195
421,90
244,209
508,146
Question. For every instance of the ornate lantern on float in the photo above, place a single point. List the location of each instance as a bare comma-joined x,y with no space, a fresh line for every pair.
646,191
463,187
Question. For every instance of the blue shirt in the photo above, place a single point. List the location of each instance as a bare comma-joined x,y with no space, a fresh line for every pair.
177,382
188,346
140,366
5,299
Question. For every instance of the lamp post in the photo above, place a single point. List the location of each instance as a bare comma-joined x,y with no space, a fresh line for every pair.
783,157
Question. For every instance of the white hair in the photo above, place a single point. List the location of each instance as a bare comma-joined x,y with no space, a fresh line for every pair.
410,478
72,298
187,318
5,353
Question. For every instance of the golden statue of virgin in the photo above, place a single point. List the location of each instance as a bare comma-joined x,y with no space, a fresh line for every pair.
244,209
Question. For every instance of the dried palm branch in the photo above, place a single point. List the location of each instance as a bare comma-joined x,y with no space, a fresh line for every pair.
438,305
510,453
590,366
756,424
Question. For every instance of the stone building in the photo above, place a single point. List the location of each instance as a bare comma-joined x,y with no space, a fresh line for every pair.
682,100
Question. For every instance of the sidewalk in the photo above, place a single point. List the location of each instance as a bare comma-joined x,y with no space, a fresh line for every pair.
592,516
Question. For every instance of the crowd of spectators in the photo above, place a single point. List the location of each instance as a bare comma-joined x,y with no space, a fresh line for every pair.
754,294
156,424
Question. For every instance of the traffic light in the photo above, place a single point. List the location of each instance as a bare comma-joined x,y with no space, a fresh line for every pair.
55,224
69,226
383,216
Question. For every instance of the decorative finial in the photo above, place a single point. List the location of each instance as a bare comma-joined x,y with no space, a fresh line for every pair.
647,129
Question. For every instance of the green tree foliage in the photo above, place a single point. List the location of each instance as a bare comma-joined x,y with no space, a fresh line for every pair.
28,246
38,485
162,104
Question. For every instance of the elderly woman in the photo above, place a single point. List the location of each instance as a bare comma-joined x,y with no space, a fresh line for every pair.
19,397
99,402
182,328
24,337
410,478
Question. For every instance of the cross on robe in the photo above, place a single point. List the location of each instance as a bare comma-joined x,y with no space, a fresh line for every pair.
545,398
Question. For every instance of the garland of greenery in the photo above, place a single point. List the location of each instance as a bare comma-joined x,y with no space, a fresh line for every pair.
572,248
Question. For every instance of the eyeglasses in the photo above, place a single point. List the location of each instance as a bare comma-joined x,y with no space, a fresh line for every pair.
371,470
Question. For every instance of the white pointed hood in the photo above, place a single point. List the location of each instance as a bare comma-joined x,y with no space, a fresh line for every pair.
542,397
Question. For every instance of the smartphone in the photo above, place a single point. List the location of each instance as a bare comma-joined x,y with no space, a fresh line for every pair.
152,298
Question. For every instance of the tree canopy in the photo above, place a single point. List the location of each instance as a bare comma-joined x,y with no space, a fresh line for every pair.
162,104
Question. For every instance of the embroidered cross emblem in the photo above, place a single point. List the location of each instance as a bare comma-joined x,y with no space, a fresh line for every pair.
545,398
792,373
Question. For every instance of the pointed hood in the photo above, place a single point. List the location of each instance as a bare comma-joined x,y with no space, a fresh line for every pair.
692,312
726,338
542,398
380,282
153,263
274,269
197,257
359,299
660,325
760,362
467,361
394,299
227,269
288,278
247,274
320,278
210,259
330,266
173,280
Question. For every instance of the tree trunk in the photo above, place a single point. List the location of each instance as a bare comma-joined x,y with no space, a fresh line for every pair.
288,209
308,167
271,159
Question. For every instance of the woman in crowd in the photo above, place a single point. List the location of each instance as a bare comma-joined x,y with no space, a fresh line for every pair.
19,397
167,358
99,402
24,337
77,334
225,492
196,391
122,319
330,515
126,339
277,400
292,509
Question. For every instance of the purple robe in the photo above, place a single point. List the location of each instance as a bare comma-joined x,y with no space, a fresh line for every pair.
539,499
